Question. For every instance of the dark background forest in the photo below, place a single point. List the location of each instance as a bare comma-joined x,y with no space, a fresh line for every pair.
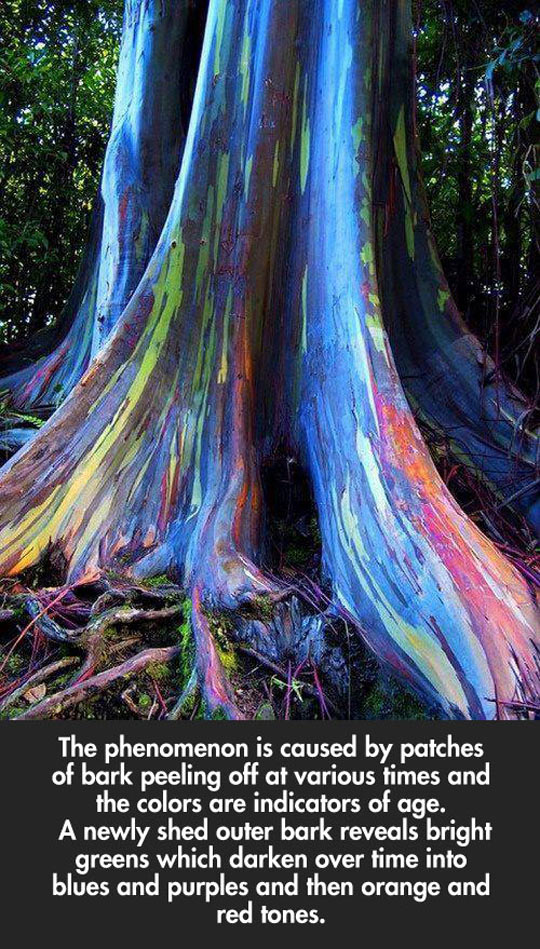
477,81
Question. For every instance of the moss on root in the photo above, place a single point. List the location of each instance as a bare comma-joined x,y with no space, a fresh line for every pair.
221,627
187,645
367,692
159,671
155,582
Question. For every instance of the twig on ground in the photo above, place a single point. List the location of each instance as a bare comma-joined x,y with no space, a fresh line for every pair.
273,666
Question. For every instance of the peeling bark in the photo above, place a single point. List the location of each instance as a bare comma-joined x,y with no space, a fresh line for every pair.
258,324
151,112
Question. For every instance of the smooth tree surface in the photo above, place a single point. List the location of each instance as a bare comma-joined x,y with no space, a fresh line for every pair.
295,238
151,111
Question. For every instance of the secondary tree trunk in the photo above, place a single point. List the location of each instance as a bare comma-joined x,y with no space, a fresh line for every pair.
154,87
452,384
258,325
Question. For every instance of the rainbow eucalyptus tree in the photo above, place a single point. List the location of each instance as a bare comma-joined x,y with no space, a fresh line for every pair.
257,328
154,88
452,384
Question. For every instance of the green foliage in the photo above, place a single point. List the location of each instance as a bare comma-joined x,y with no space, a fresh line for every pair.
9,418
14,664
296,686
187,646
516,48
265,713
161,581
218,715
57,78
478,124
159,671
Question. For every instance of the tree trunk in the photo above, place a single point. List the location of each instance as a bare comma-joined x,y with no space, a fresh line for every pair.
258,325
154,87
452,384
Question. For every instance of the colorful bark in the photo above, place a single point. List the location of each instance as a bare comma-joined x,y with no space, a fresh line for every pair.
453,386
141,165
258,324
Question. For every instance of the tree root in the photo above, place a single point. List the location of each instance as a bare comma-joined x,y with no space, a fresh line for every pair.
94,639
46,672
215,687
187,701
54,705
284,636
43,623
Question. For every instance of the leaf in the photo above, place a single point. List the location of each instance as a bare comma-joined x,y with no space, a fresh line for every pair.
297,689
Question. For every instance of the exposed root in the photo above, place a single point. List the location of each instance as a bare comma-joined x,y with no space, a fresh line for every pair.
96,639
185,706
55,704
43,623
47,672
284,652
215,686
95,633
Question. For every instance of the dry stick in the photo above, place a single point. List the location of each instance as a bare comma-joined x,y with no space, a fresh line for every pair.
126,698
32,622
289,690
40,676
322,700
98,683
159,696
516,705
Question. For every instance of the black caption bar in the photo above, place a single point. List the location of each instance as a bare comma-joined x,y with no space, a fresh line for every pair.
322,829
